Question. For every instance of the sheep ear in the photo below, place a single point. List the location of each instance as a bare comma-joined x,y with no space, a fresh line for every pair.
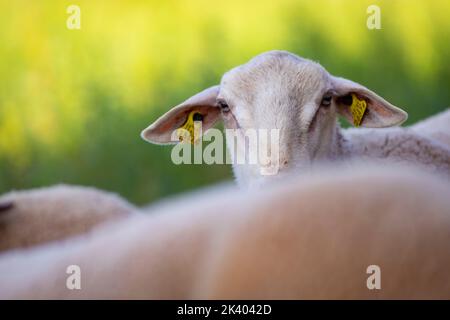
203,103
362,107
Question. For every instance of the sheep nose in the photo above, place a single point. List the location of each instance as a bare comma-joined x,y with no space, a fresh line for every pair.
283,163
269,168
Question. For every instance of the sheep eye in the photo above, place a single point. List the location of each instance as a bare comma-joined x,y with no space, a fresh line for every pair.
326,100
223,106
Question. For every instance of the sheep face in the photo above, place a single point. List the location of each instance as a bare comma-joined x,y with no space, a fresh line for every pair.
279,91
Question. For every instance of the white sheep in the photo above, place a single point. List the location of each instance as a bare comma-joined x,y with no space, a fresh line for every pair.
436,127
297,240
279,90
32,217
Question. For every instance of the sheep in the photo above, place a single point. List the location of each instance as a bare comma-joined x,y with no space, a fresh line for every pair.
292,240
29,218
436,127
279,90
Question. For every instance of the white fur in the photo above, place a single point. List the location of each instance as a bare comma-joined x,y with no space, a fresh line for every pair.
54,213
283,242
436,127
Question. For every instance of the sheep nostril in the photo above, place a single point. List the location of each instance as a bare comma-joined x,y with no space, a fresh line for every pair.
285,162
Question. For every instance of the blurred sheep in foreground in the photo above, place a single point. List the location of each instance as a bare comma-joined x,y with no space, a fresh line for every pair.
312,237
47,214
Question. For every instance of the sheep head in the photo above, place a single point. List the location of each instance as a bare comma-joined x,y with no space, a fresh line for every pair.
279,90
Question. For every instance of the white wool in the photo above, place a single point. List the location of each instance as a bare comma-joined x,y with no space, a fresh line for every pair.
398,145
436,127
54,213
309,238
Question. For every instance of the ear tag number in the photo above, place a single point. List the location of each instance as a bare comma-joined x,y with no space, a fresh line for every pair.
191,128
358,108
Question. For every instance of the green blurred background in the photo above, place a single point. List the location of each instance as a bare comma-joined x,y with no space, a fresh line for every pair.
73,102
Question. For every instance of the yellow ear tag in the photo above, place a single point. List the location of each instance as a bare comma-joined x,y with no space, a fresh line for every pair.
191,128
358,108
